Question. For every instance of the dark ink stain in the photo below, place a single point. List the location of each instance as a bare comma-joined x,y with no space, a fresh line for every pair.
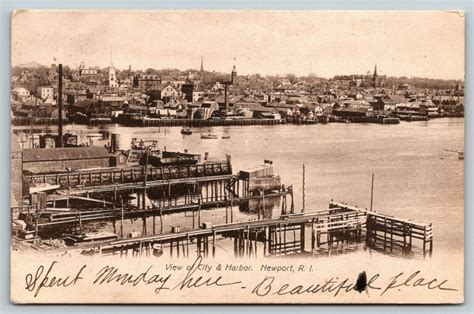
361,283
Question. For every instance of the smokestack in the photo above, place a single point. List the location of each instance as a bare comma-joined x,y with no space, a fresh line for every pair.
60,106
114,142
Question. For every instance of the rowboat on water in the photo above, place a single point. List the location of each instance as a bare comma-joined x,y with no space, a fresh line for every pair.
76,239
157,249
186,131
209,136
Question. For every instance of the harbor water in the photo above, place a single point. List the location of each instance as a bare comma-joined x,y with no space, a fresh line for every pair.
417,172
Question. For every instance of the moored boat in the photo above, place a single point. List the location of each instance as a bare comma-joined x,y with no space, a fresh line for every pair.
157,249
186,130
76,239
209,136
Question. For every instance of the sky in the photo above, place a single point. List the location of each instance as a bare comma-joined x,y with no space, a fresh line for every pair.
324,43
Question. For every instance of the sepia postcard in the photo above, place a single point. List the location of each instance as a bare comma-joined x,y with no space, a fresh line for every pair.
225,157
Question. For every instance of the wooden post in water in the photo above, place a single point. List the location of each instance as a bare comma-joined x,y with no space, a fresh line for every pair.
199,214
302,237
236,244
303,190
265,239
214,244
256,242
161,219
431,239
248,240
258,207
372,193
292,209
391,236
226,211
121,220
424,241
36,227
198,245
231,207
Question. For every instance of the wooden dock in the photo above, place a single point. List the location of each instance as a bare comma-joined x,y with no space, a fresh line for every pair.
156,122
117,176
388,232
301,233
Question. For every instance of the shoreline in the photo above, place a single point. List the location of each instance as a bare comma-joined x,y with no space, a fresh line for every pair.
23,121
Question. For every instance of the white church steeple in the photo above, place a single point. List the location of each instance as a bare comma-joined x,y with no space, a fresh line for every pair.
112,76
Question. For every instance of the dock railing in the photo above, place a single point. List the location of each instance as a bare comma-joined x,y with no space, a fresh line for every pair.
129,175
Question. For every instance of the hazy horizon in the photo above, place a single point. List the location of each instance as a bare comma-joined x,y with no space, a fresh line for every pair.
424,44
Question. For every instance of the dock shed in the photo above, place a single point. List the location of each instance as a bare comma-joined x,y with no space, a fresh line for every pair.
265,170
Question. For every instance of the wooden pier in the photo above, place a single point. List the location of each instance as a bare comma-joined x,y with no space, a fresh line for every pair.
116,176
150,122
301,233
388,233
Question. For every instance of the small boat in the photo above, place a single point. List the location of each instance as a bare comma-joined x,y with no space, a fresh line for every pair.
323,118
186,131
90,252
89,237
157,249
226,137
209,136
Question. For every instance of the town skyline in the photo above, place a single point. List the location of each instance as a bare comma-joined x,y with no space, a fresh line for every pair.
179,39
33,64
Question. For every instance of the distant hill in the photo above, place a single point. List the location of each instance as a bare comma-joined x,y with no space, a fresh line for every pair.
30,65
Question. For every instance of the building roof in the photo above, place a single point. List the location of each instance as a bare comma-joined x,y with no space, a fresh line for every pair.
221,99
60,154
397,98
19,89
112,98
264,109
85,103
352,109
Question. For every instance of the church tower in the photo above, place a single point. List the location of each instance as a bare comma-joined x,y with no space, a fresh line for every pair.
112,76
375,77
233,75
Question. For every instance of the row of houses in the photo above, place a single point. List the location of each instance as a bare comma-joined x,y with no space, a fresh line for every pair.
167,102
